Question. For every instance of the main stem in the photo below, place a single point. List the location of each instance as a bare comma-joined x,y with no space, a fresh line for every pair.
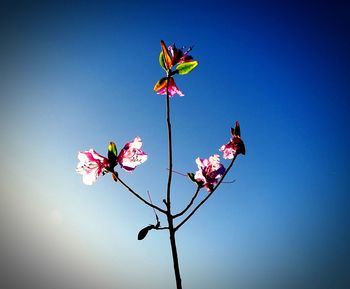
170,149
174,252
168,201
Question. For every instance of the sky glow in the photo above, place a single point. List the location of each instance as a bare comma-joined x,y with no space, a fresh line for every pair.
76,76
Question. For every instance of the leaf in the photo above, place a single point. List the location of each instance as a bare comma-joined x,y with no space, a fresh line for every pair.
161,60
237,129
186,67
160,84
242,148
167,58
143,233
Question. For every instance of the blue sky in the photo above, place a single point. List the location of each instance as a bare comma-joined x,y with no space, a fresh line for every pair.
77,75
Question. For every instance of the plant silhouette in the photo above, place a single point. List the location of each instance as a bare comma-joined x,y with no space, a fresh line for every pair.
210,174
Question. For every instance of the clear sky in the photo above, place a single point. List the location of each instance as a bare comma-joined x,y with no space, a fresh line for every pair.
75,76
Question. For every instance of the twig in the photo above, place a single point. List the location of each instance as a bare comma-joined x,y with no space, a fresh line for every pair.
189,204
139,197
150,199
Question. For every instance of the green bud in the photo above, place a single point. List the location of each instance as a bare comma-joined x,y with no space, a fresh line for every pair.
112,155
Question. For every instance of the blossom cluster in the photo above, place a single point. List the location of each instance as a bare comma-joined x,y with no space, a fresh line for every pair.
211,170
169,58
174,61
91,164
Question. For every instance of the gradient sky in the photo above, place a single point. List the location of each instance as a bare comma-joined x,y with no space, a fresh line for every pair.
75,76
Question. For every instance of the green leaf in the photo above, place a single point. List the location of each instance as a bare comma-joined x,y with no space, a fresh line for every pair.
161,60
167,58
186,67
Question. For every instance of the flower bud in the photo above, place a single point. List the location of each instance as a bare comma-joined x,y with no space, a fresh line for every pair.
112,155
143,233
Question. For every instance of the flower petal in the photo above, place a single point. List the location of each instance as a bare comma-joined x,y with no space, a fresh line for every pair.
91,165
161,86
131,155
209,171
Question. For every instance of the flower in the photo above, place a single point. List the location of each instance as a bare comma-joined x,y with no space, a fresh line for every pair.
91,166
168,58
235,146
173,56
210,171
161,85
131,155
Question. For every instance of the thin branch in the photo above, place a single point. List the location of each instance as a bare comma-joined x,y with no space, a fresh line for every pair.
207,197
181,174
139,197
162,228
186,175
154,211
189,204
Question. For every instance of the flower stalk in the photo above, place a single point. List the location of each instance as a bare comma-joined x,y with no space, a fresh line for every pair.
170,217
137,195
170,147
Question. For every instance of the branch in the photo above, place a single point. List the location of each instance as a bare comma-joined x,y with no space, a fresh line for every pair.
162,228
189,204
139,197
208,196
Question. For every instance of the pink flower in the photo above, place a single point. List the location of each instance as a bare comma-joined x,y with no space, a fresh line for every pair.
178,55
235,146
168,58
160,87
131,155
173,56
91,166
210,171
